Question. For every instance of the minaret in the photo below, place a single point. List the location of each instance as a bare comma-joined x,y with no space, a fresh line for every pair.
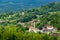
34,24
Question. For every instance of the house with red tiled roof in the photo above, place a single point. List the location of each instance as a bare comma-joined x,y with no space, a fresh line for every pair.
33,29
48,29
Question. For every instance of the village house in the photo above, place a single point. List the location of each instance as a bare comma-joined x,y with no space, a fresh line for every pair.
33,29
23,13
2,20
21,23
48,29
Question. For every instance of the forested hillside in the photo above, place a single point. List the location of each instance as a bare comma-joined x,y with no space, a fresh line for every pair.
48,13
11,28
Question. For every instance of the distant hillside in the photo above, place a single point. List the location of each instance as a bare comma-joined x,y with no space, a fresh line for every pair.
52,7
17,5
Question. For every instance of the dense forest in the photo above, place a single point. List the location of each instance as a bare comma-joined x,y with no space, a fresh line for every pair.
10,29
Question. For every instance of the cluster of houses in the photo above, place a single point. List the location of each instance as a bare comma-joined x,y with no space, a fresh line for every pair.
45,29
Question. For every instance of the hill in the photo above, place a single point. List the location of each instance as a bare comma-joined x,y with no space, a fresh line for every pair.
17,5
48,14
